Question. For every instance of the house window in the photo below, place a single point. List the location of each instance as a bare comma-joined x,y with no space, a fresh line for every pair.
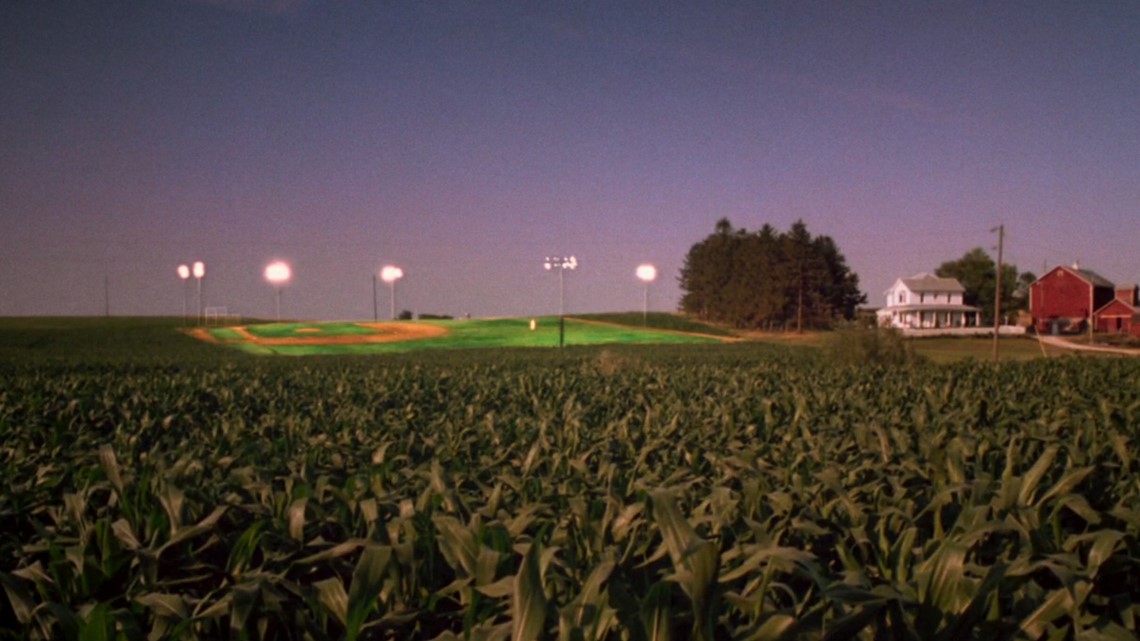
902,298
922,297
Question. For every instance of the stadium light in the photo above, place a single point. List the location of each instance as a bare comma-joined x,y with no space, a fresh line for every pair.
199,272
390,274
278,274
184,274
647,273
561,263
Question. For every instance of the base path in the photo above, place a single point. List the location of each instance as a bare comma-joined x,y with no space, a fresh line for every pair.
381,333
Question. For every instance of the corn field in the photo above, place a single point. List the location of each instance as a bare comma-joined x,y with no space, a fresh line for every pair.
696,495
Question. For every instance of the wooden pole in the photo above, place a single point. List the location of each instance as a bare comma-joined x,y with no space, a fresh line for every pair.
997,293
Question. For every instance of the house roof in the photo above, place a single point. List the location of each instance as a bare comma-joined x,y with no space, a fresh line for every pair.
925,282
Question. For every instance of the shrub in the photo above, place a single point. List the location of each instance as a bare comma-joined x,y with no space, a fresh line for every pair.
874,345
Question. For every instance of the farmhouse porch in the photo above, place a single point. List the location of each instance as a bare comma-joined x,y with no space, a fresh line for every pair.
930,316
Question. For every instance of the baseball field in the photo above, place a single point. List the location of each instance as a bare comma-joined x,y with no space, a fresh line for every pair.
335,338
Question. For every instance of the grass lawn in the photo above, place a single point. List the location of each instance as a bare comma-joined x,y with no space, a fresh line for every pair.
953,349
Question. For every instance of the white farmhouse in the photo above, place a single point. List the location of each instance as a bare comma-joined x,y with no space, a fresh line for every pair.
925,301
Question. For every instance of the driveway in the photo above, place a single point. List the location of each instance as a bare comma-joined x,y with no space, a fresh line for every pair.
1064,343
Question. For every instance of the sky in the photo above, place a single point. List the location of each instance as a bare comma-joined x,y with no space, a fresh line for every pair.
466,141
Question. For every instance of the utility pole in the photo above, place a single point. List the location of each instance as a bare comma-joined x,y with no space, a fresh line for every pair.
1000,229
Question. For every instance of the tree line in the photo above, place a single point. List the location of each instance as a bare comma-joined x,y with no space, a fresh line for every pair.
977,273
768,278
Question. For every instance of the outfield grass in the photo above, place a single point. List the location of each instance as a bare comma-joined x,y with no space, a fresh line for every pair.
658,320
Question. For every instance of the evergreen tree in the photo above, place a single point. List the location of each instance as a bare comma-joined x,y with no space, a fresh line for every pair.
754,279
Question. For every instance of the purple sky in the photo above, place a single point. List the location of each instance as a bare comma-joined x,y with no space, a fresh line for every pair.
464,143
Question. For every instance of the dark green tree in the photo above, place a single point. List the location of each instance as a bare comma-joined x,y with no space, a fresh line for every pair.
756,279
706,273
806,277
841,285
977,273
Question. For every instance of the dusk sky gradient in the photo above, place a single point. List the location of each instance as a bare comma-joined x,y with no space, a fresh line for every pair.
466,141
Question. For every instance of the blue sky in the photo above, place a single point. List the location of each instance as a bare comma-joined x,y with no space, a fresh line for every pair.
466,141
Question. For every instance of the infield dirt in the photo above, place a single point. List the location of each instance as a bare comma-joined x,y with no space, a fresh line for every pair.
381,333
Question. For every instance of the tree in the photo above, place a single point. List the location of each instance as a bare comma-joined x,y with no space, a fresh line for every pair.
977,273
840,285
753,279
704,277
1020,296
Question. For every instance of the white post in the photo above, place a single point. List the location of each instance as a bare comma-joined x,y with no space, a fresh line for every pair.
390,274
647,273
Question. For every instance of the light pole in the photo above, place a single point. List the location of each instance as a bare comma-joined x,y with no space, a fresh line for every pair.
184,274
647,273
390,274
375,304
1000,229
561,263
199,271
278,273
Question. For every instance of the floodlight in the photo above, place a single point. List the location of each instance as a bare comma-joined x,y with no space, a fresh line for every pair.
278,272
390,274
561,263
647,273
184,274
199,272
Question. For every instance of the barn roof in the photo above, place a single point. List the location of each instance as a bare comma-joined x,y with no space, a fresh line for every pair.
1117,307
1096,279
1088,275
925,282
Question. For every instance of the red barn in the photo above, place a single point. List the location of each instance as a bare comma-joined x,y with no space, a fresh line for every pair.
1120,315
1066,298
